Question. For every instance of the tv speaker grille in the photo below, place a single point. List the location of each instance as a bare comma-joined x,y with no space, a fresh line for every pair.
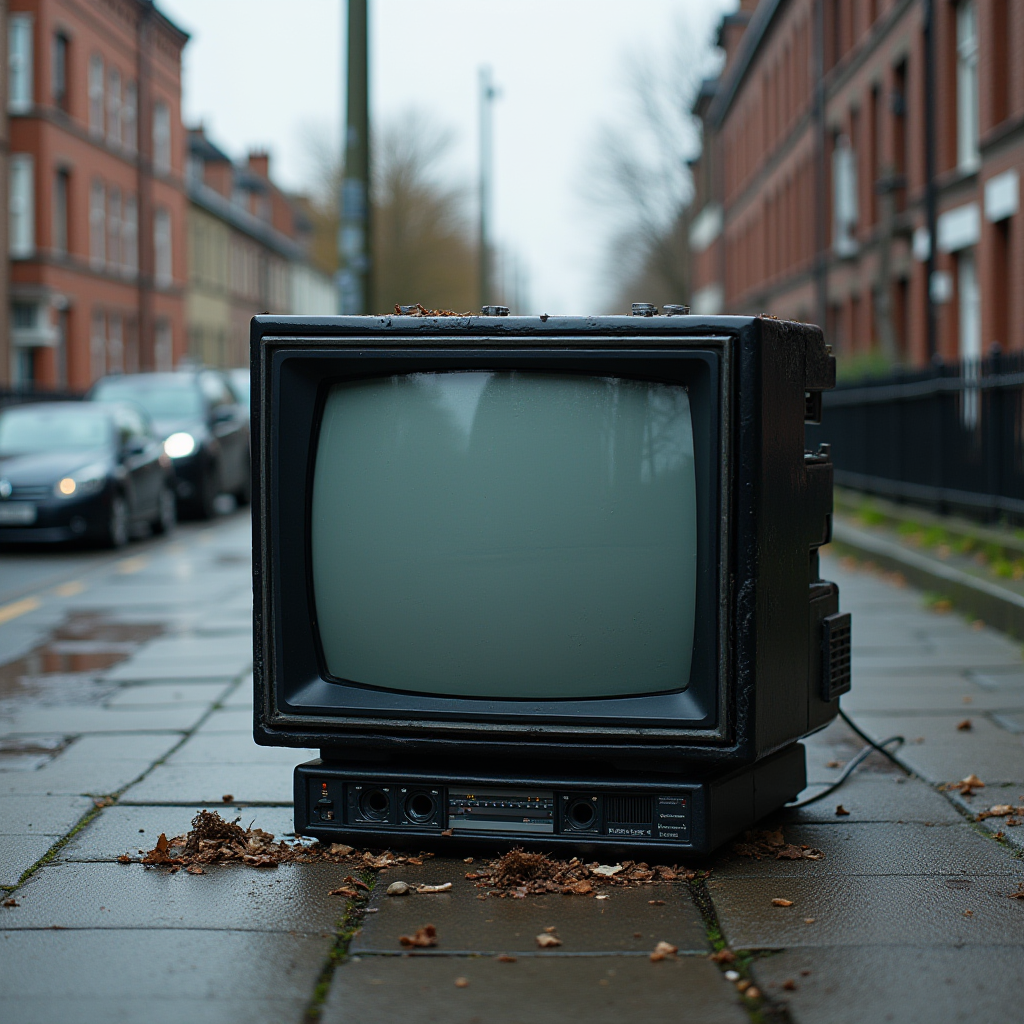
835,670
629,810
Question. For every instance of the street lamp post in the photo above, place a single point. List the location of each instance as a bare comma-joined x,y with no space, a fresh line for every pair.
488,94
354,200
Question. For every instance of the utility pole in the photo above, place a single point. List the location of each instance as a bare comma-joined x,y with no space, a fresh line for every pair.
488,94
354,201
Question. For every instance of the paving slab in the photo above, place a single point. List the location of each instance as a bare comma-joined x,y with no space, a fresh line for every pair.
18,853
866,910
875,797
939,752
625,922
911,985
954,693
199,784
159,977
80,718
533,990
850,849
47,816
231,897
233,720
147,695
127,829
236,748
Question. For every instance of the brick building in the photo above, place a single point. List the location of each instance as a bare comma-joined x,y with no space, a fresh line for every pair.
5,336
840,138
247,253
97,206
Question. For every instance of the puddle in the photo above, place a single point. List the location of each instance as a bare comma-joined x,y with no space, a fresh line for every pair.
25,755
62,669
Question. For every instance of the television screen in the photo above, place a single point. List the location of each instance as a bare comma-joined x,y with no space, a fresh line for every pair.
506,534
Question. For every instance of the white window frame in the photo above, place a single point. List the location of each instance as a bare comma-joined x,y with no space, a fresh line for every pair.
21,206
163,267
98,344
97,76
130,236
97,224
129,117
20,69
161,137
113,253
968,156
114,107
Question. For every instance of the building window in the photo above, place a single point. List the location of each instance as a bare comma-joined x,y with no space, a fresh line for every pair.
163,347
844,197
19,64
128,117
114,107
114,260
61,181
115,344
161,138
967,155
98,344
969,300
97,225
59,71
96,94
21,228
130,236
23,315
163,275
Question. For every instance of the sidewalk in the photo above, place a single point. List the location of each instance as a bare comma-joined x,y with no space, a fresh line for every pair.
881,923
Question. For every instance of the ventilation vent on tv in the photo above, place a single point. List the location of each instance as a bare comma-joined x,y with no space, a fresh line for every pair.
629,810
835,672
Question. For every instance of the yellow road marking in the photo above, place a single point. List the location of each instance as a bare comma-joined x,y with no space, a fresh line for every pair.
69,589
129,565
16,608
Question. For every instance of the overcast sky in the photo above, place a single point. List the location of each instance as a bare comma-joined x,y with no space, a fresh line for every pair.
267,73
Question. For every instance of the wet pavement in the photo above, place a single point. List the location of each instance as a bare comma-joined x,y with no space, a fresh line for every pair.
125,708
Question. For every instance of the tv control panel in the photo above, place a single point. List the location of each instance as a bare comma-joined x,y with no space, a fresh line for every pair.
327,803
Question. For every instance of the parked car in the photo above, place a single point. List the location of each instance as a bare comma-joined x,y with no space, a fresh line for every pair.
76,471
240,384
204,429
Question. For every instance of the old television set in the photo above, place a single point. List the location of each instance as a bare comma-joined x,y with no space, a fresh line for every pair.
546,580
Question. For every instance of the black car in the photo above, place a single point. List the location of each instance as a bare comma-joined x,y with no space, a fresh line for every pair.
205,431
76,471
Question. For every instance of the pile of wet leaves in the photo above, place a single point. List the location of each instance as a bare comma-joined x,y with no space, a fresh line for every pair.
417,310
772,845
519,874
213,840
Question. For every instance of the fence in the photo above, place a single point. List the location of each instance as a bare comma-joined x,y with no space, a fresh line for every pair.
950,436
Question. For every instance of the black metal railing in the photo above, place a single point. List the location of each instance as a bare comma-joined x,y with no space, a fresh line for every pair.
950,436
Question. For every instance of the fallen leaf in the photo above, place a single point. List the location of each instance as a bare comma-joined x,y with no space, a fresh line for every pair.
968,913
841,811
663,950
346,891
782,903
227,798
462,982
103,801
580,887
340,849
743,985
263,860
789,985
448,832
723,956
973,781
504,958
809,920
545,940
11,902
753,993
551,929
833,764
124,859
1019,894
965,725
424,937
195,869
656,903
443,887
398,889
356,882
805,972
607,870
468,860
603,896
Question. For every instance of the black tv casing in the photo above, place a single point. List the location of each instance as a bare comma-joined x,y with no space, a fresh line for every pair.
760,678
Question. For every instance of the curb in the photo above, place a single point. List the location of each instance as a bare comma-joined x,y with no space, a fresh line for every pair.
995,605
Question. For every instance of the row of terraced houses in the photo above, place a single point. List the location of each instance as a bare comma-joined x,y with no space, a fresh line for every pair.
132,242
861,169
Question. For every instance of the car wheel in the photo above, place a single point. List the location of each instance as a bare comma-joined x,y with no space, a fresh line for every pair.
167,516
115,535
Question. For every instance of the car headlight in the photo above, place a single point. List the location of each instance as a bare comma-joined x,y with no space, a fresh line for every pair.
82,482
179,445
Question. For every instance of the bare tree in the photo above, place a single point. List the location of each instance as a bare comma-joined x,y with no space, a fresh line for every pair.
641,175
422,243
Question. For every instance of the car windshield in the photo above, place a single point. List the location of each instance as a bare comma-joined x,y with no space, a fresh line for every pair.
34,429
162,399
